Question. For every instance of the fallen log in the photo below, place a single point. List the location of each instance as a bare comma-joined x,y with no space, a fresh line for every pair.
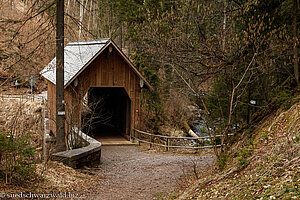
189,130
192,133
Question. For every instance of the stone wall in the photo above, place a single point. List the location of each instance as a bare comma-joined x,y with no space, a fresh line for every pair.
85,156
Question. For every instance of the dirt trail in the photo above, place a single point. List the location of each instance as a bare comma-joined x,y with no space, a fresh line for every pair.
128,173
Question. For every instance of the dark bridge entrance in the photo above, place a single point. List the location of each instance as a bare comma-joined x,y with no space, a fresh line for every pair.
108,116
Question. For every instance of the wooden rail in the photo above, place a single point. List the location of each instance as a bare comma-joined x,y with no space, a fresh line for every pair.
22,96
167,143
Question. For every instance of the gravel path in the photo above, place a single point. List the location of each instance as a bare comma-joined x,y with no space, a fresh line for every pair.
128,173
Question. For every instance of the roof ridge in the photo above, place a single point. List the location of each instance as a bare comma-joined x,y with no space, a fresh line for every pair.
89,42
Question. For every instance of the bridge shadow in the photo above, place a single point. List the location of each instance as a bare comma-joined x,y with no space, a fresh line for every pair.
109,136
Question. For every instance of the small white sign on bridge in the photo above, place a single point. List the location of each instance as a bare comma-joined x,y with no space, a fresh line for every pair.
61,113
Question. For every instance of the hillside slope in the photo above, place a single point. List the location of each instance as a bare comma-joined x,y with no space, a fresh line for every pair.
265,166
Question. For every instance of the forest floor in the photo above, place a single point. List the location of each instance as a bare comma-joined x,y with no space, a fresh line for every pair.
262,164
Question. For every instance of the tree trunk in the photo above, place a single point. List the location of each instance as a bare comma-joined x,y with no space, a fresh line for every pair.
224,26
80,17
296,61
91,14
121,35
67,11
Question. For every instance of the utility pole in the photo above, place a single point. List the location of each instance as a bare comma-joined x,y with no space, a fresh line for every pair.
60,107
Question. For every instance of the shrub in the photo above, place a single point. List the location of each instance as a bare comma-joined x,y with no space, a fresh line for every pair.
222,160
16,160
242,159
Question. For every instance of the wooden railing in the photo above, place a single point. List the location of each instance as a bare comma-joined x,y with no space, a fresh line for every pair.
169,142
22,96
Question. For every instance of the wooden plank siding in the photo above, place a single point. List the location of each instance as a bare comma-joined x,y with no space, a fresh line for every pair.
108,70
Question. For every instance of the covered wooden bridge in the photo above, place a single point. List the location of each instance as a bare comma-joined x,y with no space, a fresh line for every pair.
102,89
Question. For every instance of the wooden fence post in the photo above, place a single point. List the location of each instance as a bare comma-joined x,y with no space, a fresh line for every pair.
167,147
139,137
